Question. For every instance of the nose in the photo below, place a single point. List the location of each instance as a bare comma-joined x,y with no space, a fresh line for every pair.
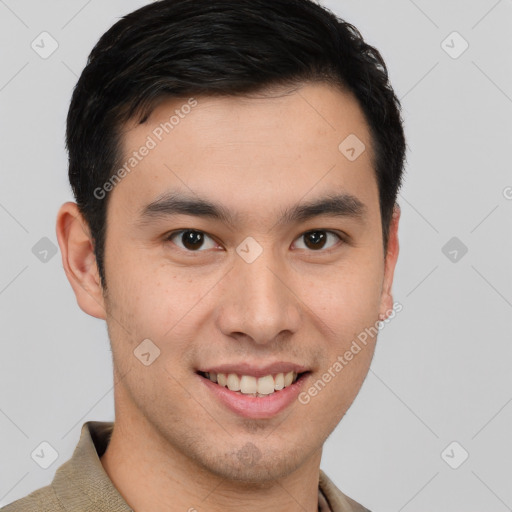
259,301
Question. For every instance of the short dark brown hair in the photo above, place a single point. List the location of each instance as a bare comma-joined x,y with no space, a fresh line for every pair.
223,47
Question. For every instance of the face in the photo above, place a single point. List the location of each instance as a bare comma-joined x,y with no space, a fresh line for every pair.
256,283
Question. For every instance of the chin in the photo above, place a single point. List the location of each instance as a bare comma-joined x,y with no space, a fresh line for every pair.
249,465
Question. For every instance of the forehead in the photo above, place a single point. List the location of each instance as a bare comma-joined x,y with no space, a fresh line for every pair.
254,153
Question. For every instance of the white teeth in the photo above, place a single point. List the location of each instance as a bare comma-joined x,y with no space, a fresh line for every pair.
250,385
233,382
288,379
266,385
279,381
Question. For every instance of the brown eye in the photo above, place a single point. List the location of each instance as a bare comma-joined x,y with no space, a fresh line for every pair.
190,239
317,239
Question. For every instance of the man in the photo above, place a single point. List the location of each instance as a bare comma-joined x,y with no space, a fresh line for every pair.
235,166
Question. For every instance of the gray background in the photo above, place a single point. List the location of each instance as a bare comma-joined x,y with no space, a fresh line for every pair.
441,369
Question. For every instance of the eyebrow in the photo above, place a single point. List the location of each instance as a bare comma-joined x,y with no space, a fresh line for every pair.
174,203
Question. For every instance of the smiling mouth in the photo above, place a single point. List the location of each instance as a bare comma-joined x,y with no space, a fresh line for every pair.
254,386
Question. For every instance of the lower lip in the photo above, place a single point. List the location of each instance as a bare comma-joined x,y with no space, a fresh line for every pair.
256,407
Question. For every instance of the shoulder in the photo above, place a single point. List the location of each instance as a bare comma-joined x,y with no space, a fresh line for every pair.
40,500
338,501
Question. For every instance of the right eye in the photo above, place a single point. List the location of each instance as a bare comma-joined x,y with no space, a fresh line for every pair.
191,239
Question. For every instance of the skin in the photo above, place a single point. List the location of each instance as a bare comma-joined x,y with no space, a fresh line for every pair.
174,447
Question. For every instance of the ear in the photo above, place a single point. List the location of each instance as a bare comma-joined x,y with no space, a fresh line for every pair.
386,303
79,261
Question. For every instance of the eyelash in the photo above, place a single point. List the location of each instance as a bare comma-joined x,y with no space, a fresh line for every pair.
169,236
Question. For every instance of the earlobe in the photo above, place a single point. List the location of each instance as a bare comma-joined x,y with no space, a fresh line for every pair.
390,264
78,259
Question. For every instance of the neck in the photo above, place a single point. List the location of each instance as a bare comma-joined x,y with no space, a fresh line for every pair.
151,474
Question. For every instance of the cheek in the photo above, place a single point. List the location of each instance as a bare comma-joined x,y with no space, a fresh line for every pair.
155,300
345,297
133,297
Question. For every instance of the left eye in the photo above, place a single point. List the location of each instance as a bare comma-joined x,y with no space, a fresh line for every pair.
317,239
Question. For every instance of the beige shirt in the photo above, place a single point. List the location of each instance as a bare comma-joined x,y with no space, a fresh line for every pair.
82,485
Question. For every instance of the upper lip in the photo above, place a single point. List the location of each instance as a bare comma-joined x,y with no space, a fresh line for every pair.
254,369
